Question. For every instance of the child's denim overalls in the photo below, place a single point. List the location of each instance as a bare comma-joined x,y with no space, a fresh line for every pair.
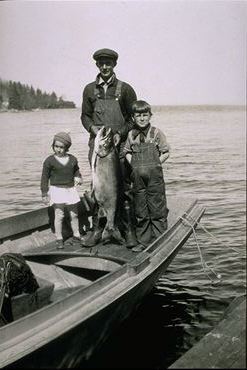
148,189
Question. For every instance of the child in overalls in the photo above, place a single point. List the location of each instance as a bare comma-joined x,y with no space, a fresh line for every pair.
60,175
146,149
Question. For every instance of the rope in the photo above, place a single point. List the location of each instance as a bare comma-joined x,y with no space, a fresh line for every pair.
203,263
213,236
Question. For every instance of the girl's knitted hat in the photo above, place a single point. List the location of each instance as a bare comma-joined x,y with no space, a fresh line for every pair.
64,137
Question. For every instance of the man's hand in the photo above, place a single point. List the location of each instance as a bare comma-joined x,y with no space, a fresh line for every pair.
94,129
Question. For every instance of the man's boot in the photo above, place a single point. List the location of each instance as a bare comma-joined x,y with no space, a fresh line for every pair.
130,239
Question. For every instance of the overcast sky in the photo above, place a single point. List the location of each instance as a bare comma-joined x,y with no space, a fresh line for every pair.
171,52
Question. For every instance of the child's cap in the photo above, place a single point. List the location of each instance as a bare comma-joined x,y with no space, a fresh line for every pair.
64,137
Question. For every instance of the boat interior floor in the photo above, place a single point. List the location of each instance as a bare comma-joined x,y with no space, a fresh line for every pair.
77,266
111,250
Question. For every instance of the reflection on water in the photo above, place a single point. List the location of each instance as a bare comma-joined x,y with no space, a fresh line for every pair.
163,328
207,162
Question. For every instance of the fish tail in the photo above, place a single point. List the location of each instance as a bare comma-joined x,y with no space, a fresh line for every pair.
112,235
117,236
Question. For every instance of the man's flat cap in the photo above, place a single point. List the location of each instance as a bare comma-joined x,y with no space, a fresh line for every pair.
105,53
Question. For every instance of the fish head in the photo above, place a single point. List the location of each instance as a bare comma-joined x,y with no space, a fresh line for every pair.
104,142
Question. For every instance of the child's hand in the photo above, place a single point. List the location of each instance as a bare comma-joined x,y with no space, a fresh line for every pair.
45,199
78,181
116,139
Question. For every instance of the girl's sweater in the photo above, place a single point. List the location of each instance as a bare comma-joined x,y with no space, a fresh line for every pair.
59,174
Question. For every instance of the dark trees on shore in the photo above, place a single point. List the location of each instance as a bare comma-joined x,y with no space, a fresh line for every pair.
14,95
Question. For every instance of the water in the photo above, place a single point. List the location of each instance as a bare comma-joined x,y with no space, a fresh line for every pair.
207,162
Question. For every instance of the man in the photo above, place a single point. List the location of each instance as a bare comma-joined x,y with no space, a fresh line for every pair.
107,102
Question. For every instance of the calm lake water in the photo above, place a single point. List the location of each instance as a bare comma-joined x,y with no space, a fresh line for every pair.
207,162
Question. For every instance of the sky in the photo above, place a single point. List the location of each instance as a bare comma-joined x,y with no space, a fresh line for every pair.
171,52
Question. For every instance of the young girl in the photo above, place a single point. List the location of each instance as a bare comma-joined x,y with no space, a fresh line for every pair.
146,149
59,177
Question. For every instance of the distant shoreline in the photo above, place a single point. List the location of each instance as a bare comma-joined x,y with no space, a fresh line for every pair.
4,110
198,107
156,108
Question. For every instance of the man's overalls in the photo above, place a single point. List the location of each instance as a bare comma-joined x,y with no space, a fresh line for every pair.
107,112
149,190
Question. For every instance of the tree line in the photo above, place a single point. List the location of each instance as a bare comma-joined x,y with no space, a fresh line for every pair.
17,96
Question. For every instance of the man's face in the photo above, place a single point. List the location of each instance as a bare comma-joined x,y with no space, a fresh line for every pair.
106,67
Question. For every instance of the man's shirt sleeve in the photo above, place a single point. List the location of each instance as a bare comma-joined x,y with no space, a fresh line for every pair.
86,110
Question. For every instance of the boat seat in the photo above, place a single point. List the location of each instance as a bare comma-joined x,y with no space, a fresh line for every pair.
23,304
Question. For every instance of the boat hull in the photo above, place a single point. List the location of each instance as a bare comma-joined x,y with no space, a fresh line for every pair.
78,344
69,331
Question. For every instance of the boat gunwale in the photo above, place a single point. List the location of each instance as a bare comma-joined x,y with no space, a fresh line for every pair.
44,212
168,233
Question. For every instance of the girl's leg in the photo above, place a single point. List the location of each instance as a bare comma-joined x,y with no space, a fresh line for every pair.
73,211
58,222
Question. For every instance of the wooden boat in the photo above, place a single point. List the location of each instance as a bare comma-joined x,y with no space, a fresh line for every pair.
84,292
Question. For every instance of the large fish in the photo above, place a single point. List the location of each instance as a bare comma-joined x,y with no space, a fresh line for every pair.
106,181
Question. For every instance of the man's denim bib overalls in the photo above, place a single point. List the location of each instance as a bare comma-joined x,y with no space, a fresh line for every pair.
107,112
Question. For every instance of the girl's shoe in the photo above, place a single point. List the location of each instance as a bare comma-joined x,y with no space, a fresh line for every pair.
59,244
76,241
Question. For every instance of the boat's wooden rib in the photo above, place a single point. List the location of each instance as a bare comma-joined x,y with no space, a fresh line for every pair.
94,289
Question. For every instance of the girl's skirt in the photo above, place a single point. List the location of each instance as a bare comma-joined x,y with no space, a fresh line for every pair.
60,195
